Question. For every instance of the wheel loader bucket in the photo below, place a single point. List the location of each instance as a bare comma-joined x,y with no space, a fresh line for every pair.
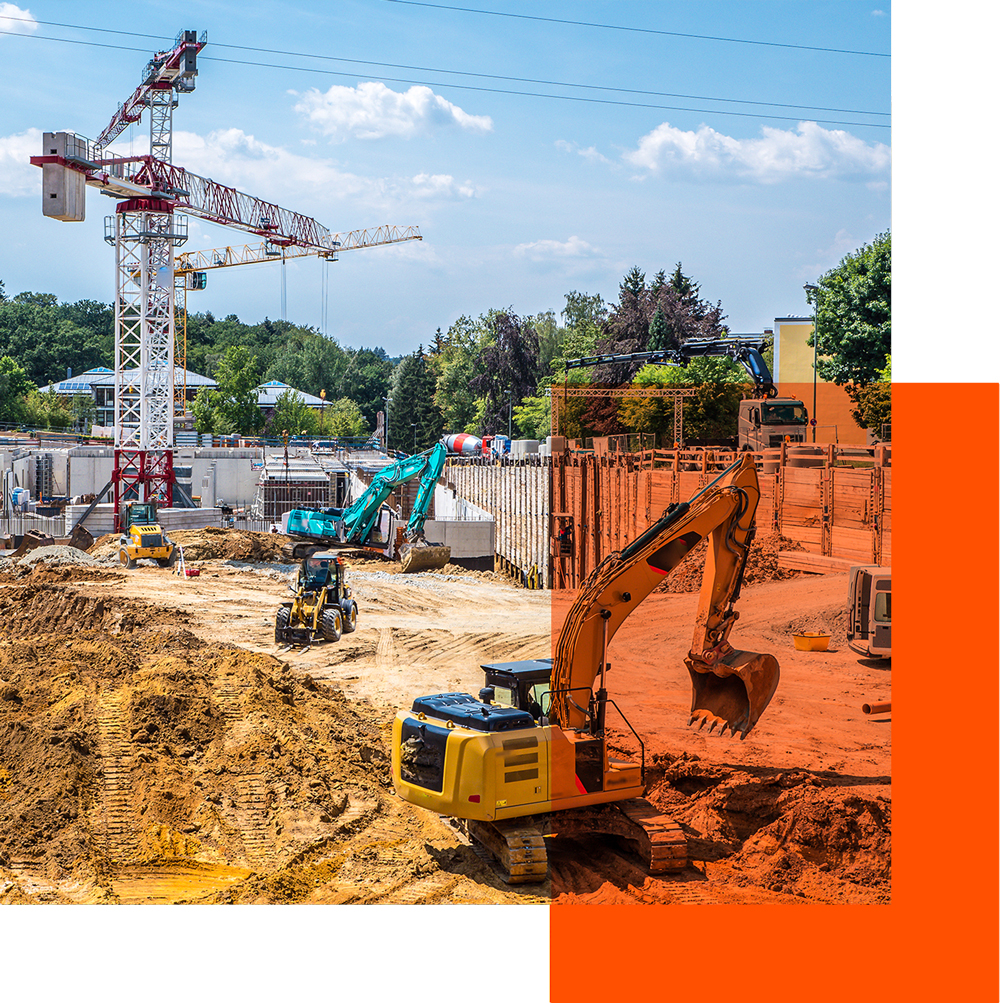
734,692
424,556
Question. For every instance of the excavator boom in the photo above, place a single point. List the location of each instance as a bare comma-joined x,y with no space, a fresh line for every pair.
354,525
730,687
531,757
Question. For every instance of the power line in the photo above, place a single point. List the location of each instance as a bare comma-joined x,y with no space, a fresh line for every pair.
484,76
645,31
480,89
553,97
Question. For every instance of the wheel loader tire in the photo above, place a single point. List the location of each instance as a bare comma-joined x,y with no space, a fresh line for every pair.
281,622
350,619
124,559
330,624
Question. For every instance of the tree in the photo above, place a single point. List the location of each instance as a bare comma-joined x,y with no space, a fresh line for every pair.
233,408
291,414
14,387
415,421
711,414
509,369
365,380
854,314
674,305
873,401
345,420
458,364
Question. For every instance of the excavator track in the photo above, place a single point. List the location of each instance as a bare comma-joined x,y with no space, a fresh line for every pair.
655,837
516,845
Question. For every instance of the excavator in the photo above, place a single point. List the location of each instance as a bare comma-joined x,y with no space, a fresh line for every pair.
370,524
531,757
764,421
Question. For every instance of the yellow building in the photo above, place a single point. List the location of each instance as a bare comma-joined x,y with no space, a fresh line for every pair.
793,376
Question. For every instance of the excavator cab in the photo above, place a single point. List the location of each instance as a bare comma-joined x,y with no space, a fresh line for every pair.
525,685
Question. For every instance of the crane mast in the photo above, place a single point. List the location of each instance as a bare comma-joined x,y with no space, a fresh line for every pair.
145,230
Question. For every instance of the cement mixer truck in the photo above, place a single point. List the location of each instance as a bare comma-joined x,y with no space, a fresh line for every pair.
471,445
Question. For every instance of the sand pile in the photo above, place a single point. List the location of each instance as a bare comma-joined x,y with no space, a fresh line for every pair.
126,743
210,543
762,565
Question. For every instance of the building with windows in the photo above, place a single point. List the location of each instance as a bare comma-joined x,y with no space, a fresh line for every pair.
99,385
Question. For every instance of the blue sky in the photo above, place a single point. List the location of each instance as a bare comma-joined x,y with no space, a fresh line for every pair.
520,199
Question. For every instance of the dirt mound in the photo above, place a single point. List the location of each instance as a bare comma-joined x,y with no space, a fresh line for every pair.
41,608
210,543
123,745
834,620
762,565
792,832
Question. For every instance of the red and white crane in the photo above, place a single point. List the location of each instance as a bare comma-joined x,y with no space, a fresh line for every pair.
145,230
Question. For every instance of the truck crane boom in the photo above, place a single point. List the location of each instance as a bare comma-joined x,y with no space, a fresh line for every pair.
531,755
746,351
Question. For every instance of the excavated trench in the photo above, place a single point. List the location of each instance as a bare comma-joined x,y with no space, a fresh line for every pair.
140,763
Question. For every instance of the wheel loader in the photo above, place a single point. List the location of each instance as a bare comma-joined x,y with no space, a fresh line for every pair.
142,537
530,757
323,606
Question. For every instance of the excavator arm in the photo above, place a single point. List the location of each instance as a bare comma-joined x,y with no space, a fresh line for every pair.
429,477
731,688
360,516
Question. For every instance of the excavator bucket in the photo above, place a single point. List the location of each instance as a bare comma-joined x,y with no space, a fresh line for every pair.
423,556
734,692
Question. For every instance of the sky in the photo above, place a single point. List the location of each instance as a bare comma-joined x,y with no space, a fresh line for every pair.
748,141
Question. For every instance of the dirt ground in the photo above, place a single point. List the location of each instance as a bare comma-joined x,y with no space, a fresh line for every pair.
157,746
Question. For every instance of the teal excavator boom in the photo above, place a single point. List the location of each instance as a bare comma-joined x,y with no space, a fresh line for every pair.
368,522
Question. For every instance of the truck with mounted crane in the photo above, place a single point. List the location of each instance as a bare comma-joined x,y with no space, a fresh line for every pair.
764,421
531,755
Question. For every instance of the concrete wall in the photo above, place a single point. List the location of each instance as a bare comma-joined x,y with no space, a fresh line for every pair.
84,470
515,491
102,520
466,539
451,506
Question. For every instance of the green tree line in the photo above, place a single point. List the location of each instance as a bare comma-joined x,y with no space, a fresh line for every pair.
488,374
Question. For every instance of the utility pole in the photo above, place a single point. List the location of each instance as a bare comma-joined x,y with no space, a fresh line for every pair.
812,296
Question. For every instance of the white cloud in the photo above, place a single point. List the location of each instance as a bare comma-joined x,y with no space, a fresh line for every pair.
372,111
13,19
590,153
778,155
550,250
17,176
239,160
824,258
878,13
440,186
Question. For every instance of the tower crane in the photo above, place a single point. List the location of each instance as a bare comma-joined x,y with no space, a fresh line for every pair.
144,231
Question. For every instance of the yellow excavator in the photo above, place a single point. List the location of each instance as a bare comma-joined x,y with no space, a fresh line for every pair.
530,757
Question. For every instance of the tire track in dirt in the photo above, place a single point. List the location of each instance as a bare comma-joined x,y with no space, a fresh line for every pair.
113,814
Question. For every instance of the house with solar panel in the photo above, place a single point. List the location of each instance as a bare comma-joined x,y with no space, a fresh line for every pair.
99,385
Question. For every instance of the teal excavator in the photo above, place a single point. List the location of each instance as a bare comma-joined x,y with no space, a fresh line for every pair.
370,524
